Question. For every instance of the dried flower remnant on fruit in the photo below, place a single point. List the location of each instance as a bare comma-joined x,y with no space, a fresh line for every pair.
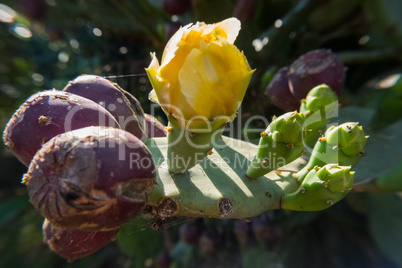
44,120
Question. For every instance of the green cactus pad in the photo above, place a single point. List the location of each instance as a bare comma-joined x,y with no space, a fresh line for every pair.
321,188
218,186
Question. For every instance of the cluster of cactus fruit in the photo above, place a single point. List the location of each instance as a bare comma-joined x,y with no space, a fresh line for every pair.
79,145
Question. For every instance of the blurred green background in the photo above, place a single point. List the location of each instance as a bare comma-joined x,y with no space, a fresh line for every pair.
46,43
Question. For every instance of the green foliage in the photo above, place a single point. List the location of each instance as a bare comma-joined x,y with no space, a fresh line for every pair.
385,217
139,241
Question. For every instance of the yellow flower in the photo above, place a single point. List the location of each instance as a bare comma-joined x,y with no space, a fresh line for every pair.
202,76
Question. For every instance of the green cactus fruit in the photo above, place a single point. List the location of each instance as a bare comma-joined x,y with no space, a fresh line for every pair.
321,188
279,145
348,137
319,97
341,145
320,105
287,128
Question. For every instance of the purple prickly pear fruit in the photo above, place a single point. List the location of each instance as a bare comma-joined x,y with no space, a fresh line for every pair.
125,108
171,28
154,127
190,232
163,259
316,67
279,92
92,179
176,7
72,244
264,230
47,114
242,231
208,244
244,10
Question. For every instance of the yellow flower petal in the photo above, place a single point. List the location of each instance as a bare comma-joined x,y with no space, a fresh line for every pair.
231,27
160,85
215,80
202,76
173,44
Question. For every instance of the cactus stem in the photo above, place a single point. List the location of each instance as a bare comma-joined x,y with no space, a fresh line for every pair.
187,148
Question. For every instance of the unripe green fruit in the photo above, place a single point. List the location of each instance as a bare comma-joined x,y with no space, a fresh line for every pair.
321,188
287,128
319,97
280,144
348,137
